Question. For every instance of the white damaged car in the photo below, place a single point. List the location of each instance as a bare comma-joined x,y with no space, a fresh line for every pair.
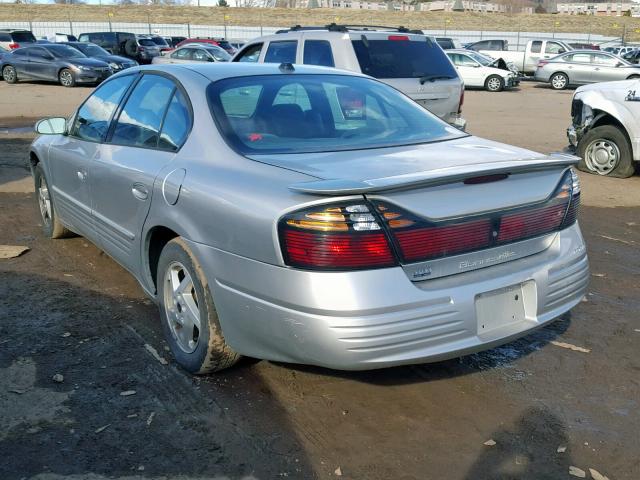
605,127
478,70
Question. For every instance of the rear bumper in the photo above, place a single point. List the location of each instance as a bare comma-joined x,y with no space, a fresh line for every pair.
379,318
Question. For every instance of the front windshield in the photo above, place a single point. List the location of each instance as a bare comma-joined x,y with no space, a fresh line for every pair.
481,59
319,113
92,50
65,51
219,54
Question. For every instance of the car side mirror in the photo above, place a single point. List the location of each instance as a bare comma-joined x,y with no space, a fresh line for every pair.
51,126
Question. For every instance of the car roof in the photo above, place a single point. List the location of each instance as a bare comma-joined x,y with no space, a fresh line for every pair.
222,70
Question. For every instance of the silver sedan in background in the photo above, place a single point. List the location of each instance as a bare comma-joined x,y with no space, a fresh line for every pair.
579,67
304,214
194,52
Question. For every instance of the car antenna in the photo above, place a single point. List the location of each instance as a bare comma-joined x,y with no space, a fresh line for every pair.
286,68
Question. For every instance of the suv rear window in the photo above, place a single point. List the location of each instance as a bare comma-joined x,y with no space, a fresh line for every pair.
279,114
23,37
146,42
402,59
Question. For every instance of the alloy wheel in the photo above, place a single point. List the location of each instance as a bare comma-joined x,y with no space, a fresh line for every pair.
181,307
602,156
66,79
493,84
9,74
559,82
44,200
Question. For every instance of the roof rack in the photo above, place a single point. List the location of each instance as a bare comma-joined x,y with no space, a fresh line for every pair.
334,27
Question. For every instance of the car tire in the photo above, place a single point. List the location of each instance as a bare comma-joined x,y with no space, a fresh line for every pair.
189,318
606,150
51,226
66,78
494,83
559,81
131,48
9,74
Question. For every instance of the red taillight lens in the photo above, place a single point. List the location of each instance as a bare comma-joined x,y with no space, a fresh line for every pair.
418,239
14,45
335,237
542,63
398,38
141,49
337,251
432,242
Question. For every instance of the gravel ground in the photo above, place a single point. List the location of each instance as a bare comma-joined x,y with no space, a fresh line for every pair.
68,309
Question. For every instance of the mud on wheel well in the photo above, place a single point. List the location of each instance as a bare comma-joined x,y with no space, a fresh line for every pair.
33,159
158,238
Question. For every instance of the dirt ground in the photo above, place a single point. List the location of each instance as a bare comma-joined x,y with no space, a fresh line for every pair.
68,309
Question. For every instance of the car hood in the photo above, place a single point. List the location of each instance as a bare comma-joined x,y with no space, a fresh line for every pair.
605,86
113,58
387,168
87,62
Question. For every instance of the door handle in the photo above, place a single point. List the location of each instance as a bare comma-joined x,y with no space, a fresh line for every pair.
82,175
140,191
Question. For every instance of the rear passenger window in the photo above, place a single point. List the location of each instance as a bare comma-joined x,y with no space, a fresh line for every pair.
536,46
281,52
176,123
250,54
140,120
92,121
318,52
5,37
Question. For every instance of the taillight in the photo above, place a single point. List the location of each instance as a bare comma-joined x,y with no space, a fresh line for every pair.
335,237
14,45
461,101
542,63
141,49
398,38
418,239
378,234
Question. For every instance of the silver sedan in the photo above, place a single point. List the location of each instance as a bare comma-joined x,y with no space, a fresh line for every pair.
579,67
194,53
303,214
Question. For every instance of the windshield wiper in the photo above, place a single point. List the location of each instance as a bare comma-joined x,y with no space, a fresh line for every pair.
432,78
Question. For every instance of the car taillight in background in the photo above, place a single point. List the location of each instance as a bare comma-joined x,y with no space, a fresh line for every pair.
378,234
398,38
335,237
542,63
14,45
141,49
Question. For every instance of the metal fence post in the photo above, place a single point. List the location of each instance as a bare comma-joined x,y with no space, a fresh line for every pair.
189,30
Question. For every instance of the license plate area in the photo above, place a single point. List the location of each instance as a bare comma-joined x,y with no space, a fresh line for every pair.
501,308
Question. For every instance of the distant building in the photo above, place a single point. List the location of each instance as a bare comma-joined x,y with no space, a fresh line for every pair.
604,9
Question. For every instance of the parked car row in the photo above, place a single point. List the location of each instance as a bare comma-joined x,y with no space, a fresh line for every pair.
64,63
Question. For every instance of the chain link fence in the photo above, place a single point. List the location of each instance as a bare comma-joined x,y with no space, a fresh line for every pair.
517,40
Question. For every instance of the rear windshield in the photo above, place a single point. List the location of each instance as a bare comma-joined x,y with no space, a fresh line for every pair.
160,41
319,113
23,37
146,42
403,58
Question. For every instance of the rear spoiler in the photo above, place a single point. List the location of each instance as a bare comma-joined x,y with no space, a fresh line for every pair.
433,177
